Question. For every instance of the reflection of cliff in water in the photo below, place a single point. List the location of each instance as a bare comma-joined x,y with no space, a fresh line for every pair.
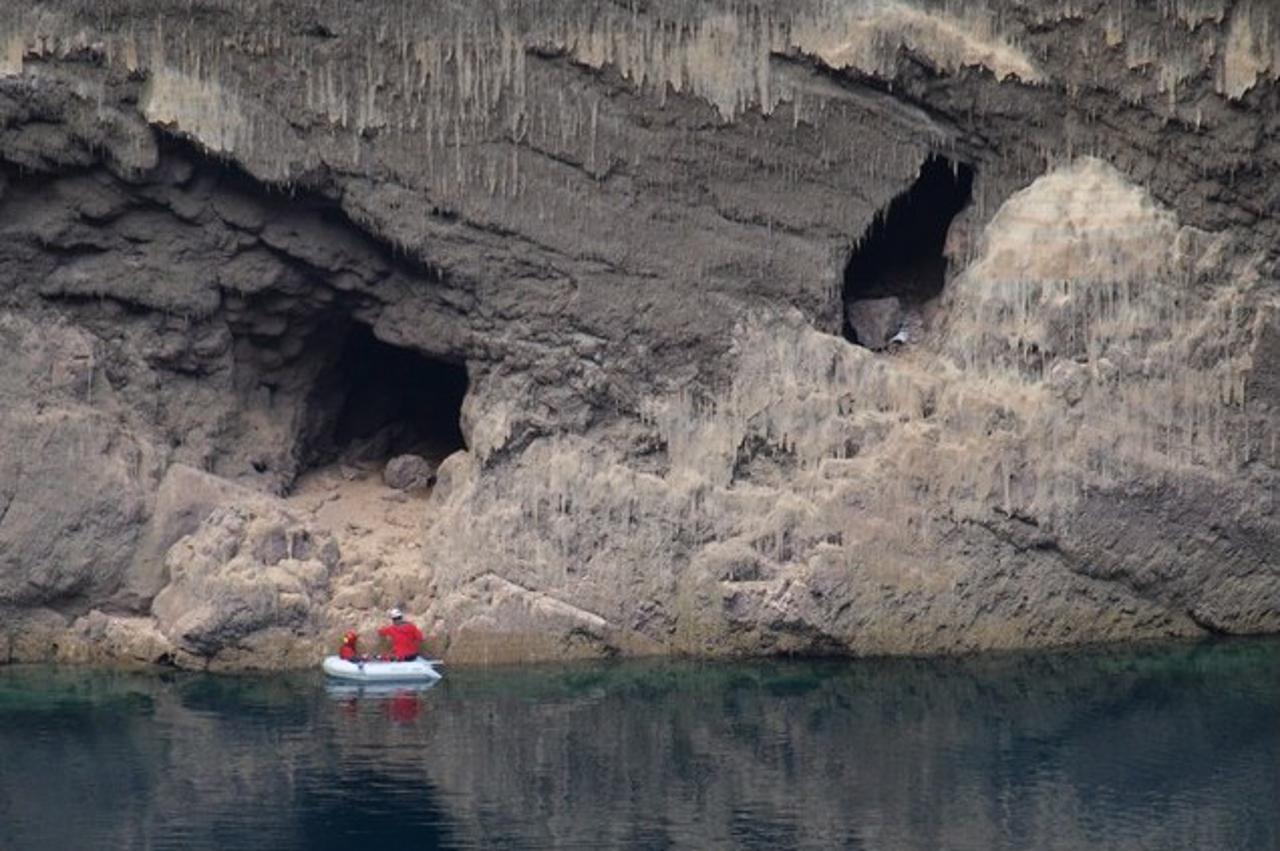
1161,748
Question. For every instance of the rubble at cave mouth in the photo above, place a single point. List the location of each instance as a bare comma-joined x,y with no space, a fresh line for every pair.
379,401
899,265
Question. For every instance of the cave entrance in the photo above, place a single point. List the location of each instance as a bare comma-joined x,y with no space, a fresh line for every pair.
384,401
377,421
899,267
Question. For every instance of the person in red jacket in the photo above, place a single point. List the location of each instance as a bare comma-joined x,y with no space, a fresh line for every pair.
405,637
348,649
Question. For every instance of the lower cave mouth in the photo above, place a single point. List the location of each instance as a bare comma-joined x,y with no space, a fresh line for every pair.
899,266
380,401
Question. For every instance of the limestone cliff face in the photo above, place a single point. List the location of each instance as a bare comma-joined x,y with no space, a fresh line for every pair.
616,267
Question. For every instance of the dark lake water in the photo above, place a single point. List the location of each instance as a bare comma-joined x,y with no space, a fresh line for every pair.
1157,747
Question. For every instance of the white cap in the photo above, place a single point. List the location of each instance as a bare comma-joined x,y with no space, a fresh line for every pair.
395,614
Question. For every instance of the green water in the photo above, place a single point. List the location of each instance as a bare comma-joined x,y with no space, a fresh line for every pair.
1162,748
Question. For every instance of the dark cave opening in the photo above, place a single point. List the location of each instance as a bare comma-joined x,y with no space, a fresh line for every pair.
383,401
899,265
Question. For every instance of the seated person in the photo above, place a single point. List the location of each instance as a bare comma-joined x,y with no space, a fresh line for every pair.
348,650
405,637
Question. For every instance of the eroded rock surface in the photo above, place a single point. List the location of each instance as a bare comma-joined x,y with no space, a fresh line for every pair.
595,262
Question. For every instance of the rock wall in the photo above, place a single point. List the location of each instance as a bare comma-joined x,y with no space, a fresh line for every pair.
633,227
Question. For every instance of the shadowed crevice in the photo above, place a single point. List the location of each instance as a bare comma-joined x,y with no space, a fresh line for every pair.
899,265
378,401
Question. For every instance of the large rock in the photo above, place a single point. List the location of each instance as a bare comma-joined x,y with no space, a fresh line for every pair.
243,571
406,472
875,321
186,497
75,481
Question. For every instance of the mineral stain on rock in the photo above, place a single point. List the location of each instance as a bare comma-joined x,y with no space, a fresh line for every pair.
585,329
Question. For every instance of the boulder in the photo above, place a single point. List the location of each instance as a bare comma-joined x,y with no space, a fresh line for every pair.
406,472
875,320
185,499
244,570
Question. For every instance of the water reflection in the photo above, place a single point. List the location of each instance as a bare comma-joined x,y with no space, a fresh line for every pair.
401,702
1174,747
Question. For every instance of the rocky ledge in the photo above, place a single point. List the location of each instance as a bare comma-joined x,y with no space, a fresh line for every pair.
588,328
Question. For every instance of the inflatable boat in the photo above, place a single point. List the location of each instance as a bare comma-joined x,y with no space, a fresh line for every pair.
418,671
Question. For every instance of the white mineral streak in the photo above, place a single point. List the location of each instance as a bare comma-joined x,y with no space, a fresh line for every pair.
1251,50
1242,35
1193,13
725,58
447,92
722,58
220,120
12,49
1239,40
450,87
200,108
866,36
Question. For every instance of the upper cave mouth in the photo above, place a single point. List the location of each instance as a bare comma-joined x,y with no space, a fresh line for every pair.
379,401
899,266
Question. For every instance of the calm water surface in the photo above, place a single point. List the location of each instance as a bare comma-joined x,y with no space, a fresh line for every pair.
1161,748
